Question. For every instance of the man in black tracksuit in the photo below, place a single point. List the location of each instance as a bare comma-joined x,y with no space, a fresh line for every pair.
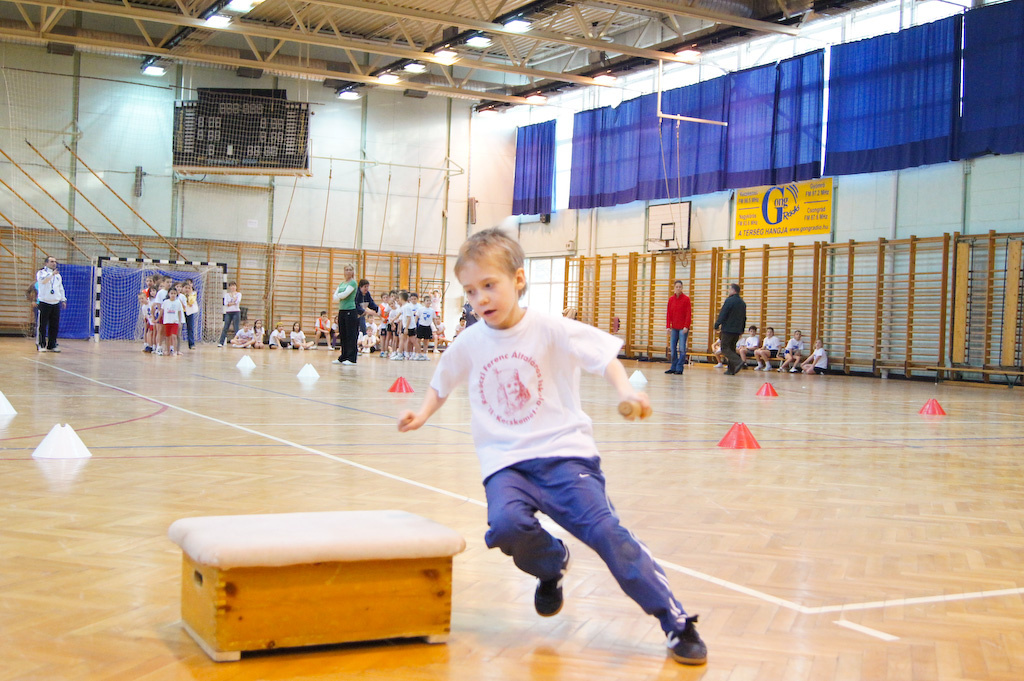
732,319
364,300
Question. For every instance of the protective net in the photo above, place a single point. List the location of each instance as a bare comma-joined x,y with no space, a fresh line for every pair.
120,315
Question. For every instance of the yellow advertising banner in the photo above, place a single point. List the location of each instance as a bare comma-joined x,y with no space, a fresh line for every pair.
785,210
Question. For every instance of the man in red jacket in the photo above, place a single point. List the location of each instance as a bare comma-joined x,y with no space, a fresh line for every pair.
678,320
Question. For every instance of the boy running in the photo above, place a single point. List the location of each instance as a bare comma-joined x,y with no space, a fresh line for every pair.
535,445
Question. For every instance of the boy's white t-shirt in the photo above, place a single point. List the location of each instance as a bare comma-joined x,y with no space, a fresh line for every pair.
244,334
820,358
752,342
425,316
524,387
409,315
772,343
173,311
795,345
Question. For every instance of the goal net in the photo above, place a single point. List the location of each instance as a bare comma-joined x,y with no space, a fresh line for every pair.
119,282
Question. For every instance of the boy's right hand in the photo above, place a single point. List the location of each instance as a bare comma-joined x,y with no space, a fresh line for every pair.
409,420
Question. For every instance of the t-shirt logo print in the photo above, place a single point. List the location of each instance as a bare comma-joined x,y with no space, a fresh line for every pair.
511,388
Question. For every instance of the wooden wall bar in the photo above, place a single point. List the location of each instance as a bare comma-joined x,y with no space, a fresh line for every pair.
906,306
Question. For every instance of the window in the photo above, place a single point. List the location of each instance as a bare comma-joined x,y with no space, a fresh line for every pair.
545,285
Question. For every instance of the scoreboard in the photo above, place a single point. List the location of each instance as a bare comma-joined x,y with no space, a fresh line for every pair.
241,131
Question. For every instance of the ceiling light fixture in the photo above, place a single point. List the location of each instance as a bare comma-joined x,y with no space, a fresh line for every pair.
537,99
218,21
689,54
479,41
415,67
517,25
349,95
153,70
242,6
605,79
388,79
446,57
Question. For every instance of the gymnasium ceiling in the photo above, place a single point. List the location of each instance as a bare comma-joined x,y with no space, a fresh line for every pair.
348,44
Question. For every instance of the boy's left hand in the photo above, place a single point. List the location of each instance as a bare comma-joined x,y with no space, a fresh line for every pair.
635,405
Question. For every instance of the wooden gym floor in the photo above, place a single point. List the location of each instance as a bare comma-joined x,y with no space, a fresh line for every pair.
861,542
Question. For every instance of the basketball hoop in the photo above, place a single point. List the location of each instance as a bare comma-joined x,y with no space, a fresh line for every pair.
664,244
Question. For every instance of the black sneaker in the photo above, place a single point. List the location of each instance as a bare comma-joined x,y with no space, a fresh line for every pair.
547,599
685,646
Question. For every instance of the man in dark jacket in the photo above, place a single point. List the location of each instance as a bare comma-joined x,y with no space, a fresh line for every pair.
732,319
364,300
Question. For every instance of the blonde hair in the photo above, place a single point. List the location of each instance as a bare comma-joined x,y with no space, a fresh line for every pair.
496,246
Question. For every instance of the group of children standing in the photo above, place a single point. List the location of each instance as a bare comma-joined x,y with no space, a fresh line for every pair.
167,306
406,326
792,355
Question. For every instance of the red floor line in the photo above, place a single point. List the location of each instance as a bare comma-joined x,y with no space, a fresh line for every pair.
159,411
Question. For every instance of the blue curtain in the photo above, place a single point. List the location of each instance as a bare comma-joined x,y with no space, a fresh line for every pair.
627,153
533,189
893,100
774,113
993,107
751,122
681,158
799,109
605,155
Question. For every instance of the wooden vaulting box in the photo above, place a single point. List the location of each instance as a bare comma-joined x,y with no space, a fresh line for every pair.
256,582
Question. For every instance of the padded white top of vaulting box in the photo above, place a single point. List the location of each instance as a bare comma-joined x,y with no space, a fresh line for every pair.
273,540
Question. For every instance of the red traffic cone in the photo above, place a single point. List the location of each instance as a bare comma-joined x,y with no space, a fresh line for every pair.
739,437
400,386
932,408
767,391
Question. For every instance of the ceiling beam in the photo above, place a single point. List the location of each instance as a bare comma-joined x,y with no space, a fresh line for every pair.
234,62
655,6
326,40
695,12
498,29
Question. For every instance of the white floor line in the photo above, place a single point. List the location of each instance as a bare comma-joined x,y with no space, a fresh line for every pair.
732,586
899,602
867,630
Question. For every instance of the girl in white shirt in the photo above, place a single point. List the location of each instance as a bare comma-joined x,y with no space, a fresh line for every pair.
818,361
257,332
299,339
